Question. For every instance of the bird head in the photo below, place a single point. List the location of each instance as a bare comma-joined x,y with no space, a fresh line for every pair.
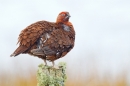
63,17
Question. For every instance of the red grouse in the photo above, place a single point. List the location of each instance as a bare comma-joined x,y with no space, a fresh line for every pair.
47,40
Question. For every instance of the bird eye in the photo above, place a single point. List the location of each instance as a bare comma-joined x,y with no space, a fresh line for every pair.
62,14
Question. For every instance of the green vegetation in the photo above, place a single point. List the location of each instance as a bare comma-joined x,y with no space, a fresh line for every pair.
49,76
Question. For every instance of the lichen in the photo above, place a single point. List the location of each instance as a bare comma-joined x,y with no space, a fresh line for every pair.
49,76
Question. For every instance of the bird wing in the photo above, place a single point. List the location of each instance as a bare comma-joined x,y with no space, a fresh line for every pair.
30,35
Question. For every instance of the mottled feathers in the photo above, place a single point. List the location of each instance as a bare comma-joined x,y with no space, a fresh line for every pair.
47,40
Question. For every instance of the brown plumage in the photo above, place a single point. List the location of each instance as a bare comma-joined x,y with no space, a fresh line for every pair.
47,40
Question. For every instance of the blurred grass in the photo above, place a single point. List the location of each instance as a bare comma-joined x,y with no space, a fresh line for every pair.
8,79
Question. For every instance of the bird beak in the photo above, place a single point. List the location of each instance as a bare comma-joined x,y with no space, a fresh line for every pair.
68,16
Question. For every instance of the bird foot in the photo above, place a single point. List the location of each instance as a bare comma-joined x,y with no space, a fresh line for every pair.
55,67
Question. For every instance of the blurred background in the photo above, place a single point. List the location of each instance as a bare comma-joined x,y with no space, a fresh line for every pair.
101,56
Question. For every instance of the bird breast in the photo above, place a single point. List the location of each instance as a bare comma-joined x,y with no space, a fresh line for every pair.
66,28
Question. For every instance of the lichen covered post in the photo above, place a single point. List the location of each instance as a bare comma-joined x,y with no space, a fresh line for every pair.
49,76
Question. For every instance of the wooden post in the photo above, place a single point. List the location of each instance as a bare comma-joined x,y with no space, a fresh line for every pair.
49,76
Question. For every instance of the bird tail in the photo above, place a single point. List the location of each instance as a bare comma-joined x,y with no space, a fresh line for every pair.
19,50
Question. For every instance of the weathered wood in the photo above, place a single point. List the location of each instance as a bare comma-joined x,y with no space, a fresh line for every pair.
49,76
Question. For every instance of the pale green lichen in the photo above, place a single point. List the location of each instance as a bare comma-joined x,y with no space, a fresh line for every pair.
49,76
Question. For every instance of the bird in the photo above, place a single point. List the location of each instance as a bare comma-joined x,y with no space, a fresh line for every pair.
47,40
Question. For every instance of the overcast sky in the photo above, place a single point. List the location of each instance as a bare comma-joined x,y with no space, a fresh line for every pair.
102,32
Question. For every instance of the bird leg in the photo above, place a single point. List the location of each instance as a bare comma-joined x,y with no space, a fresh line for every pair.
54,66
53,63
45,62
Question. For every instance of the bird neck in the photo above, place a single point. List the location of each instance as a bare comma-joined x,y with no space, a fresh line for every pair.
62,22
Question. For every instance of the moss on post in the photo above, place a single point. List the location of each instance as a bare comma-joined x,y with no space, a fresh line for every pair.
49,76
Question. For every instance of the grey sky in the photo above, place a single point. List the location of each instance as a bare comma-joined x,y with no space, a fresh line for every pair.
102,32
